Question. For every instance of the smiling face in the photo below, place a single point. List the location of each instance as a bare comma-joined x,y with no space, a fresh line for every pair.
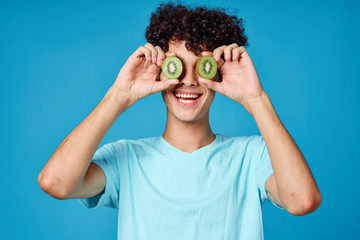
190,100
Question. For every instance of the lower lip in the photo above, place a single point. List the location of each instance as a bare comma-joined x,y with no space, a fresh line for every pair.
186,104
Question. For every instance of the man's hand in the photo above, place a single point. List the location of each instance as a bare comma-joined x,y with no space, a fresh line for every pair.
240,81
138,76
292,186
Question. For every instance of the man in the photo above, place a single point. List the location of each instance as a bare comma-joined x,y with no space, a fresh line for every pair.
188,183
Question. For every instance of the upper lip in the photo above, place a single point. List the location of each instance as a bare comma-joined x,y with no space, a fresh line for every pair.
184,92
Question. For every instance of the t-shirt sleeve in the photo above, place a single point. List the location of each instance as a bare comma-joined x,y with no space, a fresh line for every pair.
105,158
263,169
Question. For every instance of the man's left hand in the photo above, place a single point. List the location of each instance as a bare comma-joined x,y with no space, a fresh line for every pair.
240,81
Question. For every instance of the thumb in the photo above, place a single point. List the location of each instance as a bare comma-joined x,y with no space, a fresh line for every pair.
162,85
215,86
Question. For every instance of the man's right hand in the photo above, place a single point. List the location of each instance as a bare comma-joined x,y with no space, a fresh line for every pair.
138,76
69,172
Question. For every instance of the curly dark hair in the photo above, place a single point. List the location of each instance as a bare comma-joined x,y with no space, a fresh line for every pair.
203,29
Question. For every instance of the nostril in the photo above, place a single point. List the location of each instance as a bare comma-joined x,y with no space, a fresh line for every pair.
188,84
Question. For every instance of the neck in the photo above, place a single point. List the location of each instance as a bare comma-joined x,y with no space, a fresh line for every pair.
188,136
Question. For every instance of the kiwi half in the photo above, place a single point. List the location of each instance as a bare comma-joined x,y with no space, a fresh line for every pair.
206,67
172,67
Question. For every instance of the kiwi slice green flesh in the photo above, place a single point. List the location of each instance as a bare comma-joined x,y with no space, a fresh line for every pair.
207,67
172,67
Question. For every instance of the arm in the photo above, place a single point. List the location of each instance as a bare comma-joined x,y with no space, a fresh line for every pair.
292,185
64,171
69,172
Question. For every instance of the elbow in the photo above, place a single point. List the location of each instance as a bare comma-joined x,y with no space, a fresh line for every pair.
52,188
308,205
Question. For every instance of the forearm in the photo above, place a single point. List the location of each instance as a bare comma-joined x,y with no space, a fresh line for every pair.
67,166
296,184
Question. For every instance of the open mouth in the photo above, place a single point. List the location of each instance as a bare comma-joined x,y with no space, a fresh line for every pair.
187,99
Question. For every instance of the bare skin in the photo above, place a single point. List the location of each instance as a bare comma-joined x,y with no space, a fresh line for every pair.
292,185
69,172
187,128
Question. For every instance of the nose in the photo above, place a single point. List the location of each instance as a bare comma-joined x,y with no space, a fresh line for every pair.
188,78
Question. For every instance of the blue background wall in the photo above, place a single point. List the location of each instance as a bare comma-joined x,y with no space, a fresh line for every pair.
58,59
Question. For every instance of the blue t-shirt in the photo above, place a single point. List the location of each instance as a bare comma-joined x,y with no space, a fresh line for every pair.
161,192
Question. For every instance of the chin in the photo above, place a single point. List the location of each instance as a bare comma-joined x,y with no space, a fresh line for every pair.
186,118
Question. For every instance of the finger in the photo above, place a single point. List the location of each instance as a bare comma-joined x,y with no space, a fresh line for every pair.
143,51
236,52
162,85
170,54
206,53
215,86
218,52
161,56
243,52
154,52
228,50
219,62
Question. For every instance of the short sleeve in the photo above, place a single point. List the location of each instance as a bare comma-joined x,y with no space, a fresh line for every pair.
106,159
263,169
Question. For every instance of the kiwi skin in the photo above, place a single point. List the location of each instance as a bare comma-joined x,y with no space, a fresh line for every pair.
176,67
201,64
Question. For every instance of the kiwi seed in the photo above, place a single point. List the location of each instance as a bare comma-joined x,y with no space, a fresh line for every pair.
172,67
206,67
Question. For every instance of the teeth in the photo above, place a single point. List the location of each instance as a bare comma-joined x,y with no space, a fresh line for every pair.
186,101
186,95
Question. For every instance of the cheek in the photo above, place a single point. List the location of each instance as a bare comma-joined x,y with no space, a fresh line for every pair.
211,97
166,96
163,94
